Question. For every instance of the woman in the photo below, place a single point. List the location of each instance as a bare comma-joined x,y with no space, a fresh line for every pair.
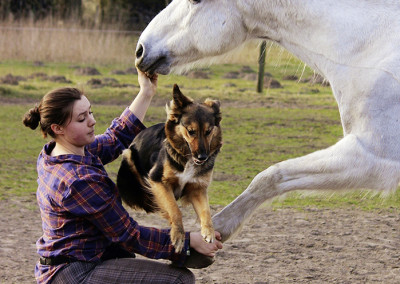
88,236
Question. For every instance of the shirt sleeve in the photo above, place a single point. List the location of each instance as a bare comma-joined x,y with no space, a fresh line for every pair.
95,201
118,136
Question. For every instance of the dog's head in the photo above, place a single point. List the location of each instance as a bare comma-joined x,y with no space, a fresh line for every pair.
193,128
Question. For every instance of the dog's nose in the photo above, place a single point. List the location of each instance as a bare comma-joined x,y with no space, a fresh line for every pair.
202,157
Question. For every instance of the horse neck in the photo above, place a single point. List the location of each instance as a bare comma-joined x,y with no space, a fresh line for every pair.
322,33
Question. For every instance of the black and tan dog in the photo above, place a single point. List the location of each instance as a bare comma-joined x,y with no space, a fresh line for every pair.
174,160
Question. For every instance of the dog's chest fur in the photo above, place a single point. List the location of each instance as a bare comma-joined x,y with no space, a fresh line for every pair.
190,174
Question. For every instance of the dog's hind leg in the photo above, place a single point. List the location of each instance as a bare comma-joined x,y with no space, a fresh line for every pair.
132,186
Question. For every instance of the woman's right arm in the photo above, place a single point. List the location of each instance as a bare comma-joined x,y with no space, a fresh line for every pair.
95,200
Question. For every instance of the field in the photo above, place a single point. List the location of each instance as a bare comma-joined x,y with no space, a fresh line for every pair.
299,238
259,129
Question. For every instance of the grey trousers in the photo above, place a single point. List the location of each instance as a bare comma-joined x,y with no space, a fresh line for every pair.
122,270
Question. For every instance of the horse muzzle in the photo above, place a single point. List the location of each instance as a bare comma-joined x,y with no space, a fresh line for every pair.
149,63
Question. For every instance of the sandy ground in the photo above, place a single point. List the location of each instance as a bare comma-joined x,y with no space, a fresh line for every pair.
281,246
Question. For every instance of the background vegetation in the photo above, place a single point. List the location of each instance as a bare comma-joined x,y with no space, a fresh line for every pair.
259,129
128,14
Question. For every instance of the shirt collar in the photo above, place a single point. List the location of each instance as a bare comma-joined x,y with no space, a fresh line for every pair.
88,159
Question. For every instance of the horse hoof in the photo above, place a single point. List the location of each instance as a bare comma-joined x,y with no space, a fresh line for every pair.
197,260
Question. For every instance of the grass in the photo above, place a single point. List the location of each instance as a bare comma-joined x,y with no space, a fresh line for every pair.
258,129
292,124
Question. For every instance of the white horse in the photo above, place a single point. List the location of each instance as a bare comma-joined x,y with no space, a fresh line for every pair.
355,44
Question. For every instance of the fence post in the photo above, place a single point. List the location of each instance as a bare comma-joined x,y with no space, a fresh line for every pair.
261,66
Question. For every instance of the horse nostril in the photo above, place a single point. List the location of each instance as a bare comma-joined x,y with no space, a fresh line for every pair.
139,51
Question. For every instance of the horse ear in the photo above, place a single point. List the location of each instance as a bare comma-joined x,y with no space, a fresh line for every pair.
215,105
179,99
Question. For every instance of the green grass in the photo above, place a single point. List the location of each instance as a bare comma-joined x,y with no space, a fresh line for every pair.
293,121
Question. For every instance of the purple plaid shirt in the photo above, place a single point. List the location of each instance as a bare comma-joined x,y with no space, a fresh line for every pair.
81,209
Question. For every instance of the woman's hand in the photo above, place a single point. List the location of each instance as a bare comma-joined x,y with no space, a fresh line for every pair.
148,87
148,83
199,244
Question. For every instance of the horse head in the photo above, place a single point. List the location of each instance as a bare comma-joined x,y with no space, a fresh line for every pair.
189,30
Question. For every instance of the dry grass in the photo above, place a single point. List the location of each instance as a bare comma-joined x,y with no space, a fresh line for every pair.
55,41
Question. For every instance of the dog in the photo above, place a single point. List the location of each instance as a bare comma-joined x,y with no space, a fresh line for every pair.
174,160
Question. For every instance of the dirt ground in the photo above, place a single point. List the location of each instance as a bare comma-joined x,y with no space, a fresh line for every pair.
275,246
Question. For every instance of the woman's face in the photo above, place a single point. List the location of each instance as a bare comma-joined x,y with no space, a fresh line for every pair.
80,130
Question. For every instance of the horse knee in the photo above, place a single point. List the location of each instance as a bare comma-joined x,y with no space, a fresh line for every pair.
266,182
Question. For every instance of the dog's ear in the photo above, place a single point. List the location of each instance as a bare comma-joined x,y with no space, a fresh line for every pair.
178,103
215,105
179,99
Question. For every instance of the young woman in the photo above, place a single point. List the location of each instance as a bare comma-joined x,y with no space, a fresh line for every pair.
88,236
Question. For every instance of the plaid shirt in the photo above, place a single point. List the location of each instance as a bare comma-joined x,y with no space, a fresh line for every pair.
81,209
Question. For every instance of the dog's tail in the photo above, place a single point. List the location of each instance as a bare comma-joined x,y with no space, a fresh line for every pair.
132,182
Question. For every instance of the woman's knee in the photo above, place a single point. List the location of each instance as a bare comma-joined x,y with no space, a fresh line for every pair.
186,277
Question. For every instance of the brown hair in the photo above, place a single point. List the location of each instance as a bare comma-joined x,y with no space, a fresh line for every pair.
54,108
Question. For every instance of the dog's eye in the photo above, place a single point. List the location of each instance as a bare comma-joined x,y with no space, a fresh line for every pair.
208,132
192,132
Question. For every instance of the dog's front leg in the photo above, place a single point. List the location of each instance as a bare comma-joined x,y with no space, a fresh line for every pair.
165,201
197,195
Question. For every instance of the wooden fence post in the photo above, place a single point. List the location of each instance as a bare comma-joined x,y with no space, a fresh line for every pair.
261,66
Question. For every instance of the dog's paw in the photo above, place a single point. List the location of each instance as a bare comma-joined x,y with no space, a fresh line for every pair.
208,234
177,238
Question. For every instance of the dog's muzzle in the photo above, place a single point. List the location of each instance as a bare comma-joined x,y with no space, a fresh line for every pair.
201,159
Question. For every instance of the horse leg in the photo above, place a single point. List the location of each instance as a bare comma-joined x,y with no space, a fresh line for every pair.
348,164
345,165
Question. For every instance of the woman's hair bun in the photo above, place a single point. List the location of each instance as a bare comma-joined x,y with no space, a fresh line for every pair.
32,118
